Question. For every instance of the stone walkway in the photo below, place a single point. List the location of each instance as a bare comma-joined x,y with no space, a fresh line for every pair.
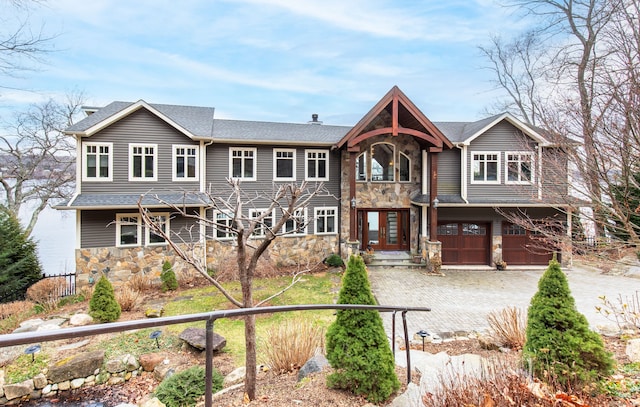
461,300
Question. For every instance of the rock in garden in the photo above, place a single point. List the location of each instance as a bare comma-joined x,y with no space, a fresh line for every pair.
154,402
196,337
13,391
149,361
39,381
313,365
235,377
29,325
633,350
80,365
80,320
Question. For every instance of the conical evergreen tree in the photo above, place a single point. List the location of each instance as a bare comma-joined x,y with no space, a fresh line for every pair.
357,346
559,345
103,305
19,265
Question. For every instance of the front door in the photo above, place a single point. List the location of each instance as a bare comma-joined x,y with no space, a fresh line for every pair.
384,229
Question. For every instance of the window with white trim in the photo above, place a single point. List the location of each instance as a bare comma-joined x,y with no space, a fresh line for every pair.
382,162
361,167
128,230
98,161
185,162
485,168
317,165
143,162
284,164
297,223
264,224
405,167
326,220
223,224
155,239
519,167
242,163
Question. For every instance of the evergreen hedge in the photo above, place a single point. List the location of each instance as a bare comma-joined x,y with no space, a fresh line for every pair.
560,348
357,346
103,305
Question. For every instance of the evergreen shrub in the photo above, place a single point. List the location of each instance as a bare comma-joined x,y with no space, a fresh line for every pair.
357,346
560,348
168,278
103,305
186,387
334,260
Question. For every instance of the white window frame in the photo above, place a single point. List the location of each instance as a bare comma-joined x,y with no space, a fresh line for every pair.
228,235
485,161
326,216
260,231
97,178
143,178
293,163
120,219
358,169
306,164
519,161
174,162
148,232
254,151
299,213
400,155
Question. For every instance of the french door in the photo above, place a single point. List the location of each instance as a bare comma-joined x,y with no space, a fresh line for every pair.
384,229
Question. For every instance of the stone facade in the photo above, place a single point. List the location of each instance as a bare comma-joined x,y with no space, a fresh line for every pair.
120,264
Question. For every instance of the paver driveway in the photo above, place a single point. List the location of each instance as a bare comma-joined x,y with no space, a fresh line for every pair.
462,299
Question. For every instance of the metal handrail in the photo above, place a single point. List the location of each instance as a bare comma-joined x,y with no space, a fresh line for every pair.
24,338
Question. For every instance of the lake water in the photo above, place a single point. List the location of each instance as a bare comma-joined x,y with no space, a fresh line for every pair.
55,235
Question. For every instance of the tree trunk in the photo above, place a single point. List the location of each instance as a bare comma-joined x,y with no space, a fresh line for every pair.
250,358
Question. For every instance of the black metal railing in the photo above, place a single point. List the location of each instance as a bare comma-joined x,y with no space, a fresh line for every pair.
60,291
209,318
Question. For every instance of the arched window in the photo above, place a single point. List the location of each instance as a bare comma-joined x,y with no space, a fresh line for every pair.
382,162
361,167
405,167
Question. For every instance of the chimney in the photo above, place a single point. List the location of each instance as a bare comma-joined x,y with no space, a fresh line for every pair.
314,119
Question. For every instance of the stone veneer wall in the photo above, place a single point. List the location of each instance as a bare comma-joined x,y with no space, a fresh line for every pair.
120,264
372,195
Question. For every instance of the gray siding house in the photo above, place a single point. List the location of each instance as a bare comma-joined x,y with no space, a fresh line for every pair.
396,182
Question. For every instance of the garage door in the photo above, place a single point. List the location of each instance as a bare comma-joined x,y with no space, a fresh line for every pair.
464,242
523,247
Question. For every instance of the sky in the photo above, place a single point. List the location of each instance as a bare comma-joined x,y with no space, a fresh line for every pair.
265,60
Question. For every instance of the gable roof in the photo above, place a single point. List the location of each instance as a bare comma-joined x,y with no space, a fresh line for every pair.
192,121
268,132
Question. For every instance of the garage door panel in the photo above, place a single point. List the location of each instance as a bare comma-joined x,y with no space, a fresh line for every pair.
464,243
522,247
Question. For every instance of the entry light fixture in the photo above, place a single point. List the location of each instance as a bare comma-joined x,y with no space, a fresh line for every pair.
435,202
353,203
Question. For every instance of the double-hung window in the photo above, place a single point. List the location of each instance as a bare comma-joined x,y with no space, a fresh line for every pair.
317,165
485,168
284,164
326,220
128,230
264,224
98,161
242,163
297,223
162,221
361,167
185,163
223,224
519,167
143,162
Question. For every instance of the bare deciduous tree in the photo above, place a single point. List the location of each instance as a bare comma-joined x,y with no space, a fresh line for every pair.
286,203
38,160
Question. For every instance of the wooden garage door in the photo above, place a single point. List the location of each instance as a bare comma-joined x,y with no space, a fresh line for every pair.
464,242
521,247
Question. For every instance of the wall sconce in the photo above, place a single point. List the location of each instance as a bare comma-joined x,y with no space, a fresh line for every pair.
353,203
435,203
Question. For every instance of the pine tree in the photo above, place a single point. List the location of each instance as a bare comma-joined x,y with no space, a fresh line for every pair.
103,305
357,346
19,265
559,345
168,278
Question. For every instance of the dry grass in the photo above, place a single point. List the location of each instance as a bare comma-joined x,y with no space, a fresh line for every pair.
127,297
47,292
142,282
289,345
15,308
508,327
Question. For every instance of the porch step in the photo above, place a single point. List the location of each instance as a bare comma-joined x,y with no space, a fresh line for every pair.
385,259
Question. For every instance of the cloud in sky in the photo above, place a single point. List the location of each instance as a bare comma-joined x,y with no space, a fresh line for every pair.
277,60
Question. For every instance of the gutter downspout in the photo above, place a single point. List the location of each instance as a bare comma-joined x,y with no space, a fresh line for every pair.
463,171
203,185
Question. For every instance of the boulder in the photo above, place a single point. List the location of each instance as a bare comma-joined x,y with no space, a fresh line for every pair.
80,365
633,350
235,377
314,365
14,391
29,325
39,381
149,361
153,312
80,319
196,337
